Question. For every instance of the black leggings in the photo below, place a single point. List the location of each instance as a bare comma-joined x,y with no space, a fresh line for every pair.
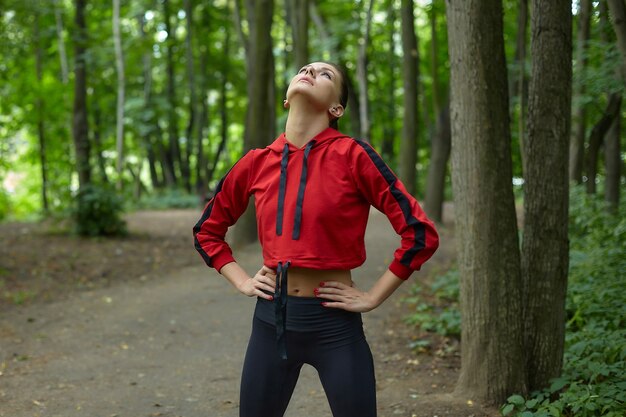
330,340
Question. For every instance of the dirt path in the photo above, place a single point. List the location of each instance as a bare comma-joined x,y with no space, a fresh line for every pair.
172,344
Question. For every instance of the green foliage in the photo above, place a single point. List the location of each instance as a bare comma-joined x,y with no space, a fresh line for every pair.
98,212
592,382
441,314
167,199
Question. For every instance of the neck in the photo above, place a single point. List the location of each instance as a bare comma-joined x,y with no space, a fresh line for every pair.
304,124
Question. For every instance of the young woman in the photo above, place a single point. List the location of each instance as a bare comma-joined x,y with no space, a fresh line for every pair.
313,188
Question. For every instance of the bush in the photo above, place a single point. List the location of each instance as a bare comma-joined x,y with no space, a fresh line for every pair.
97,211
168,199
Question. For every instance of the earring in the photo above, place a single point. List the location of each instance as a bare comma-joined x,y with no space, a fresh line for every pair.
285,104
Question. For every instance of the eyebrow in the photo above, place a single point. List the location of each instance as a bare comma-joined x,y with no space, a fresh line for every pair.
321,68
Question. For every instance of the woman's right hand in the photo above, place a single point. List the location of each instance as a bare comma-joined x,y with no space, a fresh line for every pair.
263,280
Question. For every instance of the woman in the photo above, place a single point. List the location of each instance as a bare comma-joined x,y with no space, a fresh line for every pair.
313,188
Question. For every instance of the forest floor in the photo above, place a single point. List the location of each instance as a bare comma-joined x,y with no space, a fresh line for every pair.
139,326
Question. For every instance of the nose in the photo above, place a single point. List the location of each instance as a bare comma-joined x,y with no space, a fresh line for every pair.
310,70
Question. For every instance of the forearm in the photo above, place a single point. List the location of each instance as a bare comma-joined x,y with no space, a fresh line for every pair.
384,287
235,274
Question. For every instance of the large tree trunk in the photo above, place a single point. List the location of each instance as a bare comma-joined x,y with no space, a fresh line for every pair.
299,20
41,130
618,12
577,144
361,70
545,245
173,155
259,123
492,358
410,66
119,65
80,123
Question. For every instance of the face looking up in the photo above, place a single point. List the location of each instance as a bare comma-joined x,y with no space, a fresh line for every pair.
320,84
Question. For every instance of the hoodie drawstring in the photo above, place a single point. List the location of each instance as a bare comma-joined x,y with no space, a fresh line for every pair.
281,190
282,186
280,307
298,217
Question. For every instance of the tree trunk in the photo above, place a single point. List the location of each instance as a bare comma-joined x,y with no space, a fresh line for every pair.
519,80
613,162
174,158
119,64
389,124
597,136
361,70
439,156
41,130
440,142
97,140
259,124
299,20
192,125
577,144
410,67
491,353
59,29
202,180
80,123
618,11
545,245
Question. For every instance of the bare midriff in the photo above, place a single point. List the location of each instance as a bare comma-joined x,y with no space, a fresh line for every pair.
303,281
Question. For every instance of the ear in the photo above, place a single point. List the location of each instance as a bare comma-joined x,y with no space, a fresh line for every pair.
286,104
336,111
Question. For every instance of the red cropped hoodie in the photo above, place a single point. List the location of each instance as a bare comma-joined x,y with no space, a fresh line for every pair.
312,206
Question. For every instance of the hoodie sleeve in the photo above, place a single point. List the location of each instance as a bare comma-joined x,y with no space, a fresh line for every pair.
222,211
382,189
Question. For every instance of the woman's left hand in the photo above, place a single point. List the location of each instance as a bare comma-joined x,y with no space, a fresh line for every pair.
345,297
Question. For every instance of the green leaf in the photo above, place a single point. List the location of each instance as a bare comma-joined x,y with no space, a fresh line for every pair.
516,399
507,409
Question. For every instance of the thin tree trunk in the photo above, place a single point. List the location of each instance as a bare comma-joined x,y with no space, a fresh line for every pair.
545,245
439,156
618,12
202,181
119,64
41,130
389,126
59,29
440,143
597,136
361,70
613,162
80,123
174,158
192,126
410,66
519,81
491,354
97,140
577,144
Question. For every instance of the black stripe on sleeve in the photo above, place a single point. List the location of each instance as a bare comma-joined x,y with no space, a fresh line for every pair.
205,215
404,203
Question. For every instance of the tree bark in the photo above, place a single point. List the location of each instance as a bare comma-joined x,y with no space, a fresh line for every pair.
259,123
439,156
577,144
410,67
299,20
545,248
613,161
119,65
361,70
80,123
491,353
174,158
389,124
597,136
618,11
41,129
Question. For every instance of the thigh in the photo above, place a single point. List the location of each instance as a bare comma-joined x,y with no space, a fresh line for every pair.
347,375
267,382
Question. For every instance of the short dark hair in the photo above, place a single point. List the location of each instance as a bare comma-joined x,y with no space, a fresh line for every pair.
343,96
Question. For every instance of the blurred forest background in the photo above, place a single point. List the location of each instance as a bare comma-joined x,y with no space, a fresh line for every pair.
510,109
